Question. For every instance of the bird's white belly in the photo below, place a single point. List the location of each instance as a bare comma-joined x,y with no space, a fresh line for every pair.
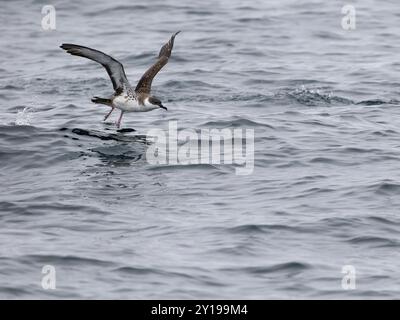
128,104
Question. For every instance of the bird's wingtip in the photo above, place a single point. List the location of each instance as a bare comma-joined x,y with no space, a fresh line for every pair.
176,33
65,46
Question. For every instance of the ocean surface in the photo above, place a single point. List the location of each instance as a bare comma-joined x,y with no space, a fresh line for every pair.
79,196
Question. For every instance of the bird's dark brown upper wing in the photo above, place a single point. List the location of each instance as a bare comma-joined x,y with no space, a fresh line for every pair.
114,68
144,84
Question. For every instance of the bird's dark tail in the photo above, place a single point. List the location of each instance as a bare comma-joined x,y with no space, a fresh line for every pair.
98,100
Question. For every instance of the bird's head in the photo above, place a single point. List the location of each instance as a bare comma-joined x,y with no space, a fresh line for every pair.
156,102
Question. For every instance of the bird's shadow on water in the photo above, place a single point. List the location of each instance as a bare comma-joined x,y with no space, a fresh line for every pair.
117,148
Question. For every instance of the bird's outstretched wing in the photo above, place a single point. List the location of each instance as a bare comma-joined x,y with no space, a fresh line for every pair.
114,68
144,84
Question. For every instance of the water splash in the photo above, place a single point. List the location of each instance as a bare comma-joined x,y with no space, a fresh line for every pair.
24,117
315,97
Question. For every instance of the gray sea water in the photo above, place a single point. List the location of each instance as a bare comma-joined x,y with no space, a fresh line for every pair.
79,196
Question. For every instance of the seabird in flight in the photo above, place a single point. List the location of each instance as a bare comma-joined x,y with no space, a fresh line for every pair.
126,98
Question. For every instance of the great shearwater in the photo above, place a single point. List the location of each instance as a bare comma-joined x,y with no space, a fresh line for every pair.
125,97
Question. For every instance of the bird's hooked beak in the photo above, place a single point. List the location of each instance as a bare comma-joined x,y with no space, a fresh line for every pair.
161,106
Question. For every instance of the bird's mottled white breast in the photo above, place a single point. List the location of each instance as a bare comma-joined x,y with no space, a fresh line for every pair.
125,103
147,103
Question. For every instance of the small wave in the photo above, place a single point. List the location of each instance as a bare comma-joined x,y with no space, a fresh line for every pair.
188,84
18,132
315,122
387,188
377,102
257,97
385,221
374,241
14,291
385,133
255,228
10,87
200,166
137,270
337,222
116,9
292,268
326,160
242,8
137,57
200,12
252,20
64,260
314,97
136,8
352,150
238,122
325,34
4,97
